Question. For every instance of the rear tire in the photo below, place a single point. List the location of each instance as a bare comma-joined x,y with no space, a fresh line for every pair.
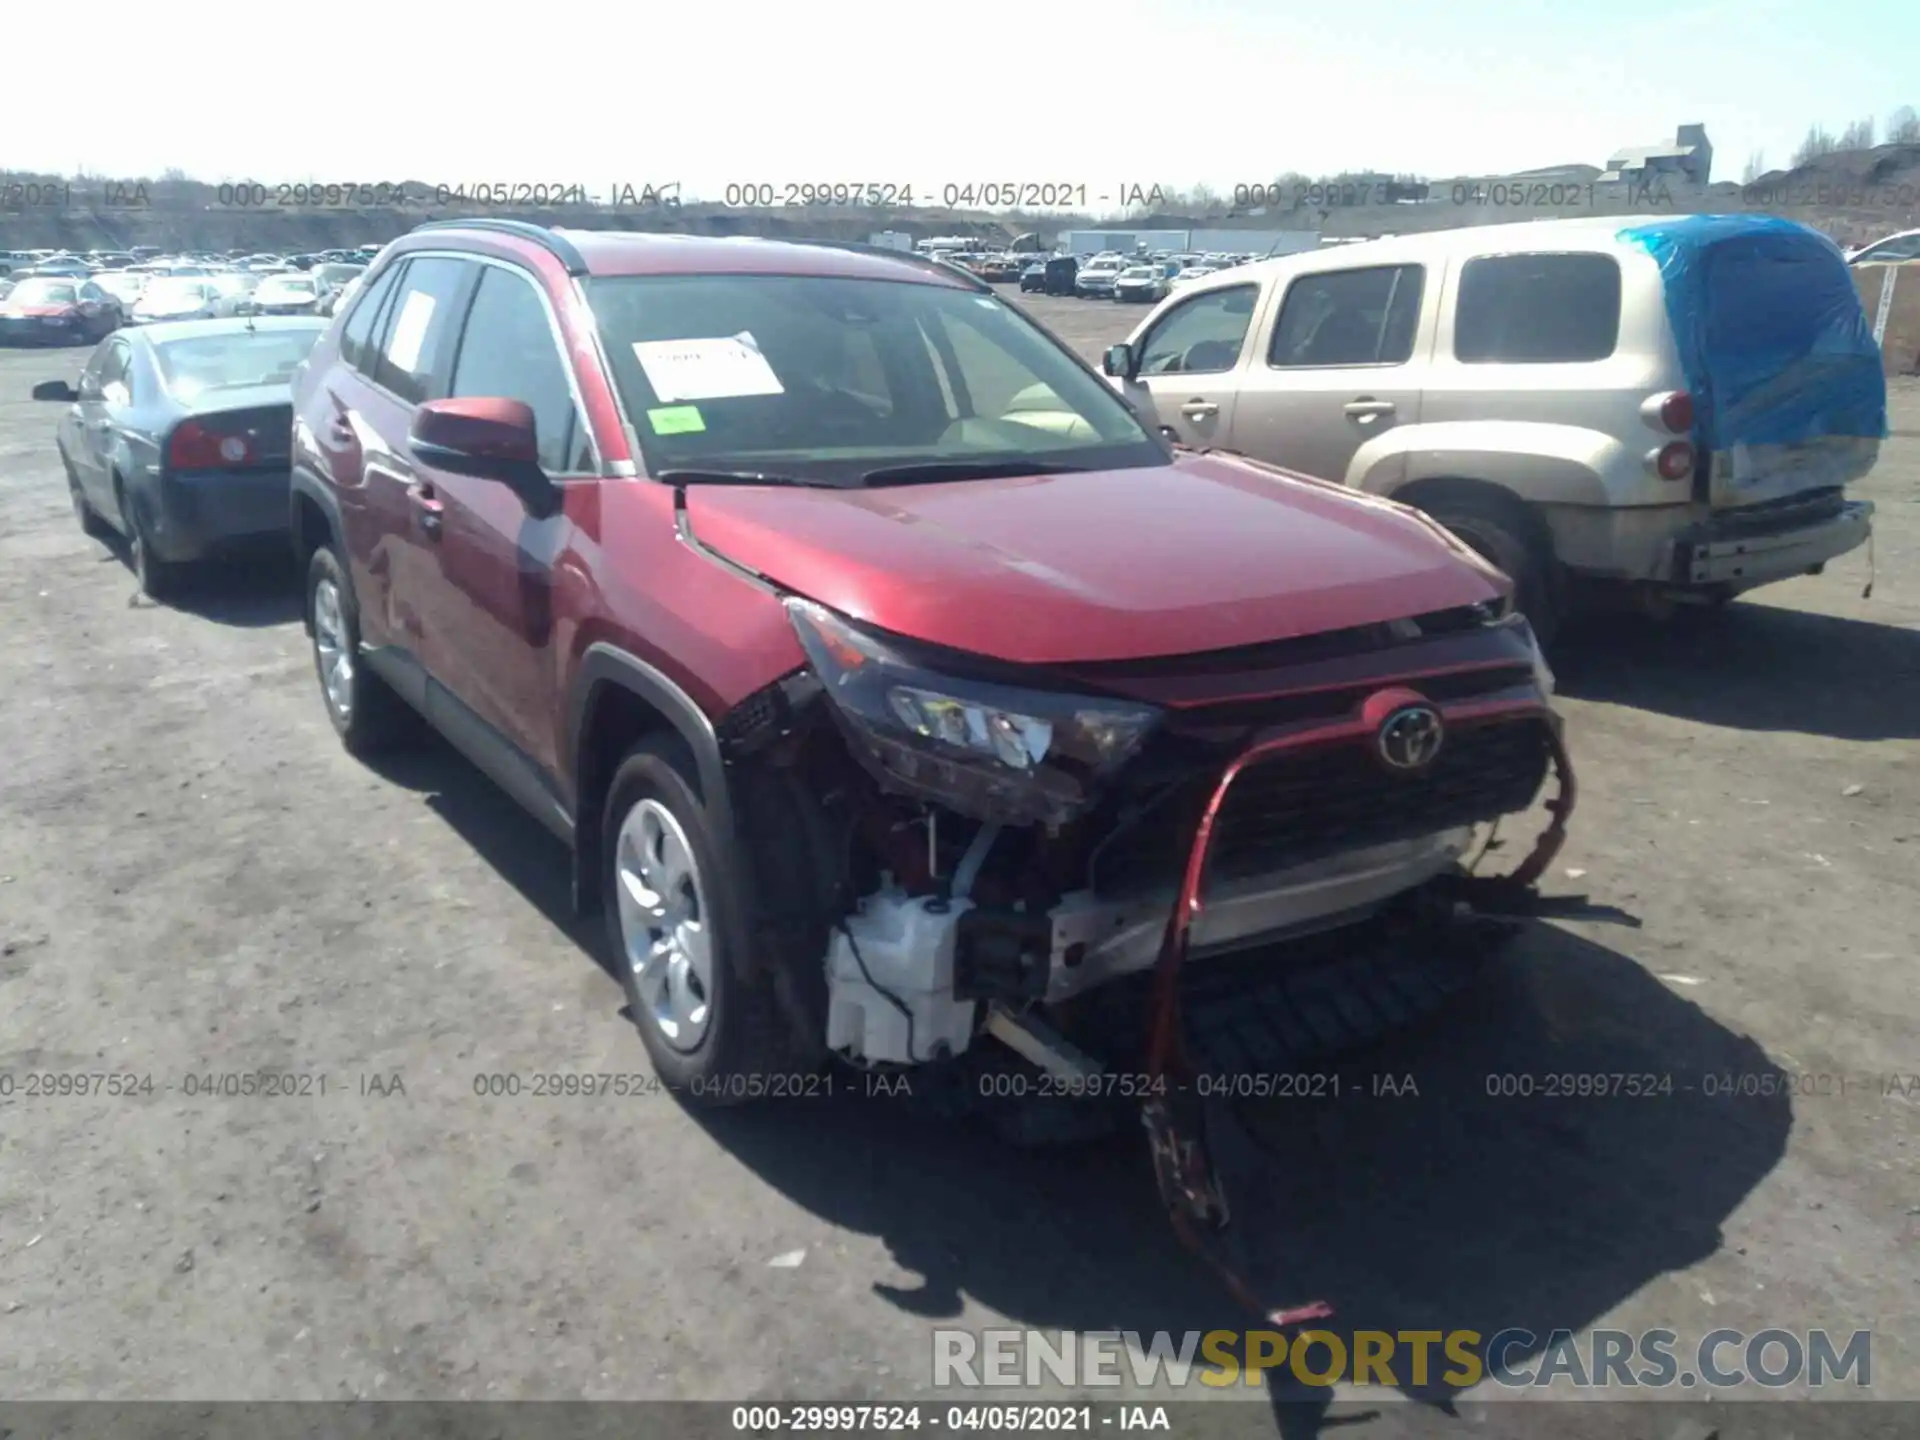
716,1036
1508,535
365,712
157,578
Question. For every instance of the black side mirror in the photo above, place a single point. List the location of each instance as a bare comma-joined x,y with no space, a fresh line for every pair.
58,390
1119,362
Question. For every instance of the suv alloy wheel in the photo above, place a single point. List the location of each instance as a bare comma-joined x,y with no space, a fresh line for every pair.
366,714
715,1035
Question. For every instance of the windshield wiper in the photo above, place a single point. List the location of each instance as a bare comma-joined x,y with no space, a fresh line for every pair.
934,472
737,477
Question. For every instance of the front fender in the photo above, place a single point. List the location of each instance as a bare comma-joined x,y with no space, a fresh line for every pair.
1540,464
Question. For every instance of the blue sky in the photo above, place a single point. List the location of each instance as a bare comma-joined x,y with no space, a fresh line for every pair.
931,94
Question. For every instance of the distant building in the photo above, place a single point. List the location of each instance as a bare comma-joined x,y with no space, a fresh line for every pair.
1687,161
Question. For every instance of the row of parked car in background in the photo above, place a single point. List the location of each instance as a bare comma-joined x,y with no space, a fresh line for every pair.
49,297
1143,279
889,780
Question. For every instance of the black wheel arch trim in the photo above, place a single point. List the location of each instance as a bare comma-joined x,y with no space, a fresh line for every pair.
304,484
607,664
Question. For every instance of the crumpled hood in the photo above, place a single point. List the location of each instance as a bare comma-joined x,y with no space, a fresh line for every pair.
1205,554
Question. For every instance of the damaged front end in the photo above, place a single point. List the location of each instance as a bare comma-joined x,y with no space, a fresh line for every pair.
1051,860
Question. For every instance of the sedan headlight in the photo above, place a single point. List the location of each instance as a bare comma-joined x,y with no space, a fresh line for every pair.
998,753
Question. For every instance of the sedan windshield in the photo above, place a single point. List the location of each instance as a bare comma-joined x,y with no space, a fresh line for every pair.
44,292
828,379
1138,272
291,287
121,286
234,359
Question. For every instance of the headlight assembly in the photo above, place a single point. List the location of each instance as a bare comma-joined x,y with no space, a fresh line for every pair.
998,753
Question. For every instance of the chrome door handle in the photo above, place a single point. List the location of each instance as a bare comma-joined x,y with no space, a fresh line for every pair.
1364,408
1199,409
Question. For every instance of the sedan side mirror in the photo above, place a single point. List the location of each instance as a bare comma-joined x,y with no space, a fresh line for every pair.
490,439
1119,362
58,390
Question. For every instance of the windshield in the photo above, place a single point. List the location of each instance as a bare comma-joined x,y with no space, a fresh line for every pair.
233,360
121,286
1138,272
828,378
44,292
167,290
287,286
338,274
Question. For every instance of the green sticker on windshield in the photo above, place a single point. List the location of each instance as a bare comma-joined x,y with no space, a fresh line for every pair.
676,420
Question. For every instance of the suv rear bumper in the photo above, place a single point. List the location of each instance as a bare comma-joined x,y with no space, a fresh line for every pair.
1735,552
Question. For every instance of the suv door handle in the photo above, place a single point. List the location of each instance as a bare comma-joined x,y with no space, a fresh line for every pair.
1366,408
1199,409
428,506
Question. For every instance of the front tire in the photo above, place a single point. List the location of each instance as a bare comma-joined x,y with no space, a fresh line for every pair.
716,1036
1506,534
365,712
91,524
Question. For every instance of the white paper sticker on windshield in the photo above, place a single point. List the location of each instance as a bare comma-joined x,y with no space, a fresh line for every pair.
410,331
711,369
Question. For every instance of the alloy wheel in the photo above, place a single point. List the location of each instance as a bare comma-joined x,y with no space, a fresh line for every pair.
667,940
334,649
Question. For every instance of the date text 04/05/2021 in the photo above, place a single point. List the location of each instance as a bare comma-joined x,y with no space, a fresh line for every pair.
803,1419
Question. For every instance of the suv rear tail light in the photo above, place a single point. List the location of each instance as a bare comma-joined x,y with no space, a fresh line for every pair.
1671,411
195,447
1674,460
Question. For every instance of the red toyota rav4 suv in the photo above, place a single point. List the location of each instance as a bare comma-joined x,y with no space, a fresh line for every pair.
894,686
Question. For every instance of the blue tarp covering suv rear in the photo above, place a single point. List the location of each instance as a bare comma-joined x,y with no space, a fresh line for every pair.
1773,340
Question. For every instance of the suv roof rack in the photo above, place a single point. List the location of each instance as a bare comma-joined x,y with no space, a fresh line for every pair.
554,243
910,257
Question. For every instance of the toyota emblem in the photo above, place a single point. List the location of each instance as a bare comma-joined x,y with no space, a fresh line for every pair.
1411,737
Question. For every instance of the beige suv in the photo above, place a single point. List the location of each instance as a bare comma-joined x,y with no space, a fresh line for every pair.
1671,414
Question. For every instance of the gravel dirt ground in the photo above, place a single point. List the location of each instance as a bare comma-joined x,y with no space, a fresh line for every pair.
196,881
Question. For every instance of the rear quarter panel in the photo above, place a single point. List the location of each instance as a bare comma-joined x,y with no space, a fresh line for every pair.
1552,433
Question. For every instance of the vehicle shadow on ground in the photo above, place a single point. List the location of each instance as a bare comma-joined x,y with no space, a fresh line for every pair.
1753,667
248,592
1453,1208
1440,1204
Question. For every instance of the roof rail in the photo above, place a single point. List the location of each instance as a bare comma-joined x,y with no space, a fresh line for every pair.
554,243
911,257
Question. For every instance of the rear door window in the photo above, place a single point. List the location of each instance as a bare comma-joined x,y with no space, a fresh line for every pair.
1537,309
415,350
1349,317
357,335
